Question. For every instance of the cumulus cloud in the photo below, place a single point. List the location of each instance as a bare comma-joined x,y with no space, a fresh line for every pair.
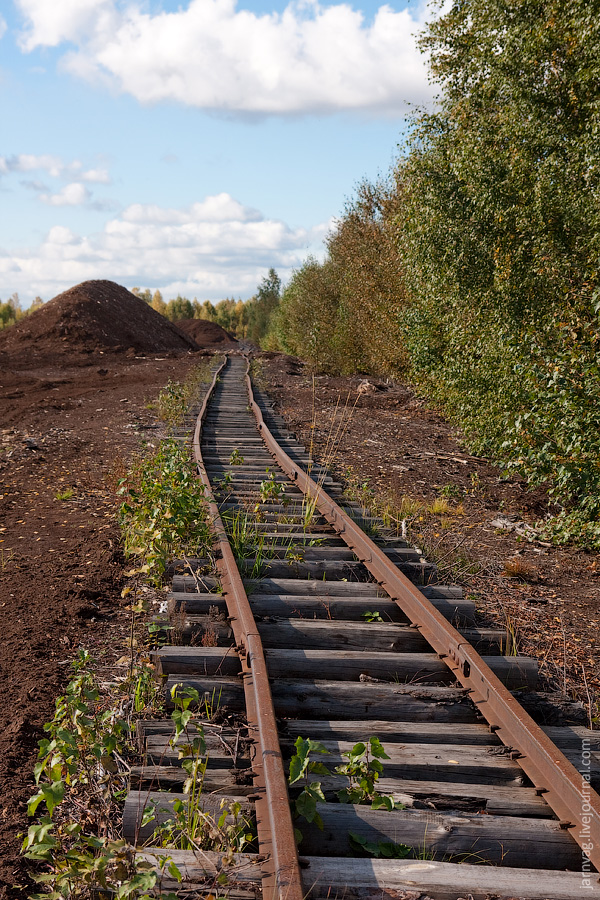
212,55
74,194
96,176
53,165
214,248
29,162
49,24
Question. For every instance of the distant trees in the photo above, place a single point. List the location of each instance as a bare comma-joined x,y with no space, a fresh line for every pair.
158,304
251,319
11,310
262,307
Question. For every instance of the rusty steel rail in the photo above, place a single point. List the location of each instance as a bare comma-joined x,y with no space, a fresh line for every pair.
281,879
565,789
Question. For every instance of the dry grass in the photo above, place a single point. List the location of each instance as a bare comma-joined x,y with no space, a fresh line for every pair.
520,570
439,507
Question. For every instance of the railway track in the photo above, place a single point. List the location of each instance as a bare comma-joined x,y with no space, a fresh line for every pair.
314,631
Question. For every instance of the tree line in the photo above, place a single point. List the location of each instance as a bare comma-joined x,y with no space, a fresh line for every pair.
11,310
245,320
473,267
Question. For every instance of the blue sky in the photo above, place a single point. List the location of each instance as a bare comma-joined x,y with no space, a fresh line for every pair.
189,146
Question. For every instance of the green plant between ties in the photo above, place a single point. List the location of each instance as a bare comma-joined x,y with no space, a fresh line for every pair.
270,489
189,827
363,767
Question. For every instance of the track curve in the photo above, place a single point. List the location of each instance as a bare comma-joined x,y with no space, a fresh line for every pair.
319,632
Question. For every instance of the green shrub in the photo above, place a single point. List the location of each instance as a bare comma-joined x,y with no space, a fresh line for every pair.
164,513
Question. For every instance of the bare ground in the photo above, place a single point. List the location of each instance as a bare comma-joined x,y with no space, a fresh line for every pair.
69,423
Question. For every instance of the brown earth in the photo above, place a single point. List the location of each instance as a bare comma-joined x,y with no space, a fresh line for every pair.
207,334
95,315
71,414
390,445
70,417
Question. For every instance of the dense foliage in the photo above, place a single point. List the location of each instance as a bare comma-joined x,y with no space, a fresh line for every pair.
342,315
11,310
163,513
475,267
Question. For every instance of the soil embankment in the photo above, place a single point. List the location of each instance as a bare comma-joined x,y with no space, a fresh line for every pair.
207,334
95,315
76,378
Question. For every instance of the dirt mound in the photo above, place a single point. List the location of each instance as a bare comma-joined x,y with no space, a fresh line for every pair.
96,315
205,333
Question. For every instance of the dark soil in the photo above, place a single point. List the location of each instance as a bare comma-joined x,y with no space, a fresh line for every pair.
69,421
207,334
393,446
95,315
74,392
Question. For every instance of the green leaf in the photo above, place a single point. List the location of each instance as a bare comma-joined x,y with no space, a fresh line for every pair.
174,872
377,749
382,802
357,750
297,768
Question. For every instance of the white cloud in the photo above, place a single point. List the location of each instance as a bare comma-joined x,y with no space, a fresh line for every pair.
97,176
74,194
3,27
212,55
63,20
29,162
211,249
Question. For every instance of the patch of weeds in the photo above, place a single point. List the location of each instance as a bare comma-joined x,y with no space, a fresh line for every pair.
6,557
247,542
521,570
451,491
439,506
175,398
409,507
309,510
172,403
190,828
294,555
460,565
363,767
64,495
270,489
236,458
301,767
223,484
164,512
80,775
475,481
372,616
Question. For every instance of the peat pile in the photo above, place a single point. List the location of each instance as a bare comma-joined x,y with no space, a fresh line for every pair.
95,315
206,334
